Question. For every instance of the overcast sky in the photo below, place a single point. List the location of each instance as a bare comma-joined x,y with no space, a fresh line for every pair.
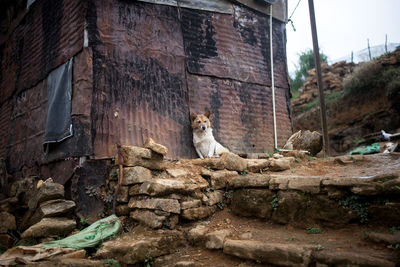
342,26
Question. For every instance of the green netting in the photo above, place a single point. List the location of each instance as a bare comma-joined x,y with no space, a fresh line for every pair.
91,236
364,150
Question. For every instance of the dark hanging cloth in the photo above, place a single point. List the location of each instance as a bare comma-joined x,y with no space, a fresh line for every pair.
59,93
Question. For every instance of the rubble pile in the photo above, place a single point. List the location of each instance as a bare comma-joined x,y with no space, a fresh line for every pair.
332,78
37,209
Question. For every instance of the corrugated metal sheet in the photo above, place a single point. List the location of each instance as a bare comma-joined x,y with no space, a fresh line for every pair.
279,8
139,76
140,83
5,120
50,34
221,6
234,47
242,112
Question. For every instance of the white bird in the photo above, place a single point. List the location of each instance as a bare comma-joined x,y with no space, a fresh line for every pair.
386,136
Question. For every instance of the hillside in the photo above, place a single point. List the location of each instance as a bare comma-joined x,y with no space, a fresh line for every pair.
361,101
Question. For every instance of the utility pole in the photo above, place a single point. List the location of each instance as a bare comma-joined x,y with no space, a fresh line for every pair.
319,77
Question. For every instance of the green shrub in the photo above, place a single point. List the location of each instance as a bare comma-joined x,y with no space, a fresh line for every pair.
364,78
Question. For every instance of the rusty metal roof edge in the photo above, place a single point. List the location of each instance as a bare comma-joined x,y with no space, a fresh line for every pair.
279,9
219,6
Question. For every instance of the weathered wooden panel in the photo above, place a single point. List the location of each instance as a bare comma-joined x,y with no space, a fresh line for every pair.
50,34
242,112
139,77
235,47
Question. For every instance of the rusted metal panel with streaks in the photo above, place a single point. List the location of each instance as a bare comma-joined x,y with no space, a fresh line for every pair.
235,47
49,35
139,77
241,112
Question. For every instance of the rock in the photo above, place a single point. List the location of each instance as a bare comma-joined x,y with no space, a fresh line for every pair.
136,175
160,149
50,227
167,205
219,179
343,181
246,236
305,184
227,161
196,236
280,164
269,253
215,240
300,210
388,239
185,264
51,208
148,218
367,189
47,191
198,213
7,222
175,173
138,156
123,194
6,241
190,204
279,182
252,202
349,258
250,180
257,165
162,187
122,210
172,221
133,247
305,140
214,197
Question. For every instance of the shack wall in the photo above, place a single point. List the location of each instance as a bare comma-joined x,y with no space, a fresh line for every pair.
154,64
146,67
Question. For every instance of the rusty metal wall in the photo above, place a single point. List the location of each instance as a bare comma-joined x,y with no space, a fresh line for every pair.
49,34
145,87
139,76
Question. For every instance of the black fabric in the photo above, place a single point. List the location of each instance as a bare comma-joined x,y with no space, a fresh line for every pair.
59,94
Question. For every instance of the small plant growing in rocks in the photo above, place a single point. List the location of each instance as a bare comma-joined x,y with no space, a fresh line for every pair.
358,205
274,202
148,261
313,230
319,247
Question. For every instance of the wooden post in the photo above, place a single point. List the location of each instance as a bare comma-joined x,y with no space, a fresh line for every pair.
319,76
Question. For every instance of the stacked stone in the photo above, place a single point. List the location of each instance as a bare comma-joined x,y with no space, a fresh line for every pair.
38,209
49,214
332,78
158,193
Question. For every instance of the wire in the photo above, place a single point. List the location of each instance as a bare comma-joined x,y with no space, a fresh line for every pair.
290,17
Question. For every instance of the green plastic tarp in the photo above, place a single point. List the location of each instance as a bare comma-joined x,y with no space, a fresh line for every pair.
364,150
91,236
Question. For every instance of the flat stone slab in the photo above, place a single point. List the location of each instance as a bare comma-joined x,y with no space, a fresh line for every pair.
136,175
250,180
167,205
270,253
305,184
349,258
135,246
198,213
50,227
